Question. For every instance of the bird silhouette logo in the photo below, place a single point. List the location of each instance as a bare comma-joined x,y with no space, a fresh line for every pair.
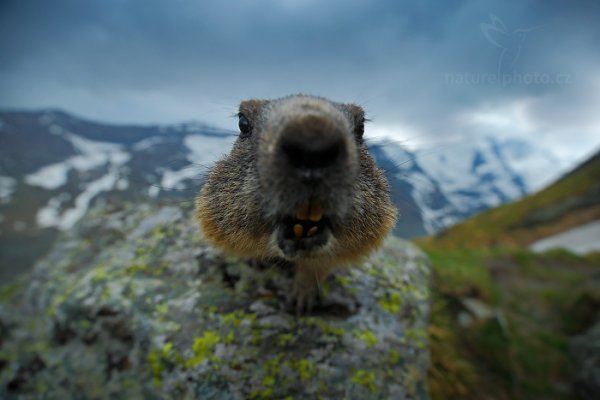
510,43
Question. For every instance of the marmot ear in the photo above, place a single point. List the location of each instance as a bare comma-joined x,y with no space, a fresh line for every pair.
357,115
251,108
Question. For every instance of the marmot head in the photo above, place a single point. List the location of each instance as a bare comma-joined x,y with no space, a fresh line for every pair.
300,174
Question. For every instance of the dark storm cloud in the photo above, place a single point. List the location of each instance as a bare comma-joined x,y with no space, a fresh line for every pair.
134,43
419,63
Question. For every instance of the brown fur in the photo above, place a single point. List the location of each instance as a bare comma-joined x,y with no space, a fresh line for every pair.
247,191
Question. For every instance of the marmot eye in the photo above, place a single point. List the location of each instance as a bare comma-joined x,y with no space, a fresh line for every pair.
244,124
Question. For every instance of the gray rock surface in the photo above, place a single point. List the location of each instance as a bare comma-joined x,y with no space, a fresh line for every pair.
132,304
585,350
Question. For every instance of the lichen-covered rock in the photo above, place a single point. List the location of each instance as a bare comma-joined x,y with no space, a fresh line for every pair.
132,304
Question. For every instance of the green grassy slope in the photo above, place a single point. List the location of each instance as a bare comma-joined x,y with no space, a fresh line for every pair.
534,302
520,352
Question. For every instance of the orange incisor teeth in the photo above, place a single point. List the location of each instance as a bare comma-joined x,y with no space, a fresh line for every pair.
316,212
298,230
312,231
302,213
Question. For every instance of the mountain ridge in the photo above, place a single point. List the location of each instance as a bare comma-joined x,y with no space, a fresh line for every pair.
54,166
569,202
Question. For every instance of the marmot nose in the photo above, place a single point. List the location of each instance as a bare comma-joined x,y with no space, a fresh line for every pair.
310,146
311,155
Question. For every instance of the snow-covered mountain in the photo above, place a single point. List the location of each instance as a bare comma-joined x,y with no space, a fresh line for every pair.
441,186
54,166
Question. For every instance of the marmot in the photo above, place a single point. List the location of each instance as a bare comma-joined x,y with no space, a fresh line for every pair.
299,185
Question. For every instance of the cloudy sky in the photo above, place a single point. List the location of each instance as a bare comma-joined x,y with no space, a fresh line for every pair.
429,72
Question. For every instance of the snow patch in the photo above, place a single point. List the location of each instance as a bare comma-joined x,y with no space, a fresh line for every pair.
204,150
475,175
94,154
51,214
56,130
153,191
82,202
471,168
423,190
49,177
7,188
173,180
88,146
148,143
122,184
580,240
397,153
536,166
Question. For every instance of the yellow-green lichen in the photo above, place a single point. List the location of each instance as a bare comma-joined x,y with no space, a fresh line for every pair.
171,326
262,394
137,267
237,317
141,250
343,280
156,366
162,309
99,274
41,387
38,346
256,337
273,366
7,292
158,233
232,260
105,294
305,369
372,272
394,357
157,359
365,378
391,302
418,336
284,339
202,347
268,381
229,338
211,309
325,327
366,336
272,370
167,349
